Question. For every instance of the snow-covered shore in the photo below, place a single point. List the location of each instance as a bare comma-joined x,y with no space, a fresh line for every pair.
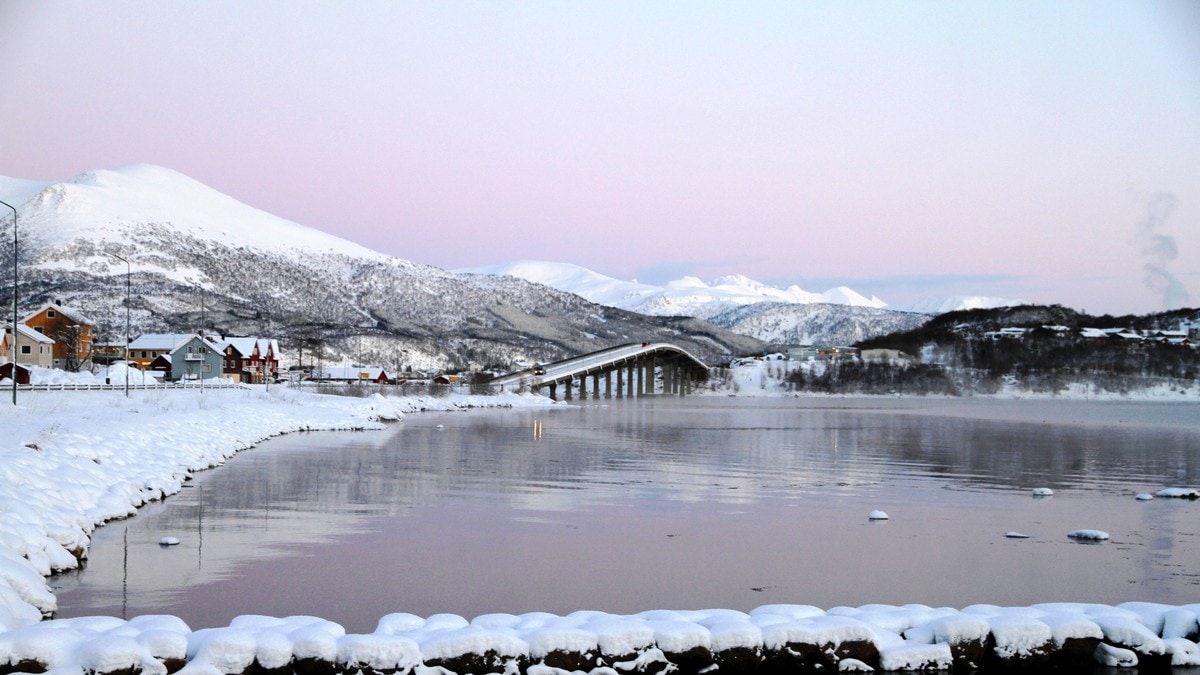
71,460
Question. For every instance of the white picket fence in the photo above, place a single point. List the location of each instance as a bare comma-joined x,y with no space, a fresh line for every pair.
121,386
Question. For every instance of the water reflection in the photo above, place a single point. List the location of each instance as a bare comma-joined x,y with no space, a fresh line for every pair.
666,503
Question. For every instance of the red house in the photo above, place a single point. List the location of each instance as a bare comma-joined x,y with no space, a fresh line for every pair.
250,359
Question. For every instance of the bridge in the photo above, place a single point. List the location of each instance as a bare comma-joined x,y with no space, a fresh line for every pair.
636,369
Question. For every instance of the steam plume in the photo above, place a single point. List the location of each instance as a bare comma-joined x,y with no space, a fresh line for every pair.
1158,250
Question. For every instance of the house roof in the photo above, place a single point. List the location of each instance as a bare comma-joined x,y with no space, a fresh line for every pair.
245,345
190,339
70,312
159,342
30,333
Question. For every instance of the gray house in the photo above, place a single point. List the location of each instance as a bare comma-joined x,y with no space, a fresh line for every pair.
194,359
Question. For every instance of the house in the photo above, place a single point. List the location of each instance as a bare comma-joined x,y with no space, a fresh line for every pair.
107,353
146,348
802,353
893,355
351,374
33,348
71,330
834,353
250,359
1011,332
195,358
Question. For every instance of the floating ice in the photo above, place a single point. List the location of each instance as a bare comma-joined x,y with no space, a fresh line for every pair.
1144,497
1180,493
877,515
1016,535
1089,535
168,541
1042,492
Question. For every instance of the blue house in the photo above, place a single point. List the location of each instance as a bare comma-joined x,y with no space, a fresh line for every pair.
195,358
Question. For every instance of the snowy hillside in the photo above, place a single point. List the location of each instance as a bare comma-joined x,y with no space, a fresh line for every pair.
942,305
816,323
201,259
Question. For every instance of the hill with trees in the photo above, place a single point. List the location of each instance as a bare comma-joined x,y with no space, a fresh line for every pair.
1030,348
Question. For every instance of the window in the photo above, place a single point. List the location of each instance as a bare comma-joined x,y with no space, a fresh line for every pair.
40,329
25,349
50,314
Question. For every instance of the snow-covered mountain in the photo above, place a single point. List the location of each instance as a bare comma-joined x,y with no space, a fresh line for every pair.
954,303
789,315
816,323
202,259
694,297
688,296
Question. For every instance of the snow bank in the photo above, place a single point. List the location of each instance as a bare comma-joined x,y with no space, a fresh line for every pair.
770,637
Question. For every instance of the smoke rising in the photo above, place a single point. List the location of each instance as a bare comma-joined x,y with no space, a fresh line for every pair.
1158,250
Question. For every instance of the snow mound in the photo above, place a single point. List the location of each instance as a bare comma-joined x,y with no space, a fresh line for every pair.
1088,535
1180,493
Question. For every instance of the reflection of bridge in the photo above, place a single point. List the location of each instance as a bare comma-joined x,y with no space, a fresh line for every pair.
637,369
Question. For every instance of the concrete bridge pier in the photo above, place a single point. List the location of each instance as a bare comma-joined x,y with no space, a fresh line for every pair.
595,386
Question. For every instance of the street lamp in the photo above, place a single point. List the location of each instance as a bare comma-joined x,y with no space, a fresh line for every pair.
114,255
14,324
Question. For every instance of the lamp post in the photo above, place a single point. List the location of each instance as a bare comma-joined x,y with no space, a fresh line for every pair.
127,302
14,323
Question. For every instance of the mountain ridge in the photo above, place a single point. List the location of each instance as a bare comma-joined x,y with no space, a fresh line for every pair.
696,297
200,259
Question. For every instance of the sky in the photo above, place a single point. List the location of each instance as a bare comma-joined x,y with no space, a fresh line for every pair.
1048,151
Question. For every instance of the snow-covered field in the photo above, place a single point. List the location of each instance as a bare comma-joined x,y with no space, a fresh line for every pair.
71,460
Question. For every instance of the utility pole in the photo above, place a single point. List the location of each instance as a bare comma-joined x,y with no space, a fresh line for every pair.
127,302
14,323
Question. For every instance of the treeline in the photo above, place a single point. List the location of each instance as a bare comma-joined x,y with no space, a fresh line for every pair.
952,355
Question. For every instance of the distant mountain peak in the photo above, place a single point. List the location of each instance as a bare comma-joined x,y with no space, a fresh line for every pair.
688,295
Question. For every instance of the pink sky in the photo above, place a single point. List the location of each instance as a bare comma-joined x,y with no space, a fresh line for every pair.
913,149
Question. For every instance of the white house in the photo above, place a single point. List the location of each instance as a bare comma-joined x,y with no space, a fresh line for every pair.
33,348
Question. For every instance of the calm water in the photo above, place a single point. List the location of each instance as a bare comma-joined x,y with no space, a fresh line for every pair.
670,504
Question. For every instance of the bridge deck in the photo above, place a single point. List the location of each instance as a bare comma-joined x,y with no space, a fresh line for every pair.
599,361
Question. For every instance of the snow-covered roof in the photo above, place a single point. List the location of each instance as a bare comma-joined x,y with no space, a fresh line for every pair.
245,345
30,333
70,312
188,340
159,342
